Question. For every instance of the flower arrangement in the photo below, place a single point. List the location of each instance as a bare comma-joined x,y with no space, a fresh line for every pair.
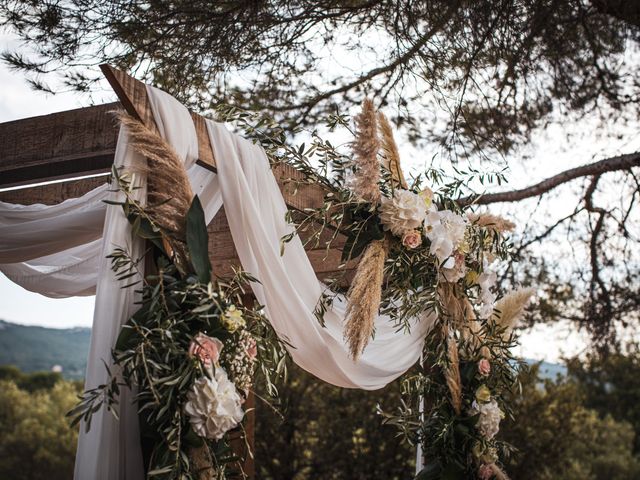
418,251
194,348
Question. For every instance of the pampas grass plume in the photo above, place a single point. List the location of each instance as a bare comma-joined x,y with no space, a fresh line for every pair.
510,308
363,298
391,153
365,154
493,222
452,375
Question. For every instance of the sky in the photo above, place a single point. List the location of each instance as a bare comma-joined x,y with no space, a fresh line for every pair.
549,151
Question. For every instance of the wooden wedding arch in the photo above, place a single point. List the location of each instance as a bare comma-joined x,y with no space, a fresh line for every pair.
65,147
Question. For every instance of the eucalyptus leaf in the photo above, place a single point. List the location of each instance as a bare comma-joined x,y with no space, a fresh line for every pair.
198,241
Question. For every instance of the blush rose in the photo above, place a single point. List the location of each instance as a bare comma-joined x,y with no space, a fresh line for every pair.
206,349
484,367
412,239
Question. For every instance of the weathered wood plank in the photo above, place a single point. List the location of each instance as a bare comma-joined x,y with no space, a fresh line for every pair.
133,95
61,145
52,193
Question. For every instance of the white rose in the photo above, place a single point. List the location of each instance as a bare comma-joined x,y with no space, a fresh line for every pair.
490,415
213,405
403,212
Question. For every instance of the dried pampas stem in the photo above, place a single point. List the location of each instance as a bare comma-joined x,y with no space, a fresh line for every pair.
363,298
492,222
452,374
510,308
391,153
169,193
456,308
365,150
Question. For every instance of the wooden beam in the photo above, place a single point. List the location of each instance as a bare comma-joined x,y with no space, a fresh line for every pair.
133,96
52,193
61,145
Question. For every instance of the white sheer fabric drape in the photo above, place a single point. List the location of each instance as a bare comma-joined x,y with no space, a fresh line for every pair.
60,251
289,288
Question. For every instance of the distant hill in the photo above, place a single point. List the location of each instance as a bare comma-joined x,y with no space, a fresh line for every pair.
38,348
550,370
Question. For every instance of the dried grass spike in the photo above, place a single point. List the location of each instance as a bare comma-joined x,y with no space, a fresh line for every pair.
169,193
493,222
365,150
510,308
363,298
455,308
391,153
452,375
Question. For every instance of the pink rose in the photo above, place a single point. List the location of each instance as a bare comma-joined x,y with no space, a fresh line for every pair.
252,349
484,367
485,472
206,349
412,239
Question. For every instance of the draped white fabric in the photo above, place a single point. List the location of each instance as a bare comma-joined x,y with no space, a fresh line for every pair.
60,251
289,288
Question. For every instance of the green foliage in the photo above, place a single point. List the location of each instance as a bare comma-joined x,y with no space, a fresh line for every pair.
30,382
197,241
179,301
36,442
335,434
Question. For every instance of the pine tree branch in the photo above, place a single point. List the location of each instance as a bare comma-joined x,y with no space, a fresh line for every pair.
622,162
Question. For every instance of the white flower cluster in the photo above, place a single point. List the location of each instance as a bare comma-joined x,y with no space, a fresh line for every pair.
446,230
213,405
407,211
403,212
241,361
490,415
487,280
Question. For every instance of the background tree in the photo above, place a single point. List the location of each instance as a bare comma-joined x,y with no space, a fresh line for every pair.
334,433
331,433
573,428
475,78
610,384
36,442
558,436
